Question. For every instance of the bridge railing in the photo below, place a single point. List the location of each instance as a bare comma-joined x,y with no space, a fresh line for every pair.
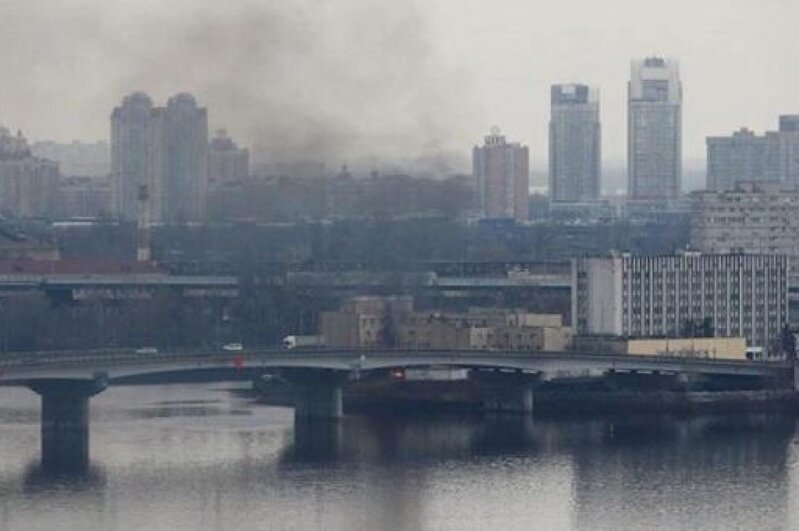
450,356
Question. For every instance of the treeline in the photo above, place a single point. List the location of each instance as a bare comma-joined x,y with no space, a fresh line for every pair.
260,316
251,248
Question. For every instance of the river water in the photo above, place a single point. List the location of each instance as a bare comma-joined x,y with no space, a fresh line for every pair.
198,456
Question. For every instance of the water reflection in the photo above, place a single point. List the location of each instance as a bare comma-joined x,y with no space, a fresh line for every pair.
192,458
39,479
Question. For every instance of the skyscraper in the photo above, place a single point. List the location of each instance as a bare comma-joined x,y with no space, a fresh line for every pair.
164,149
654,130
501,172
131,146
184,164
574,144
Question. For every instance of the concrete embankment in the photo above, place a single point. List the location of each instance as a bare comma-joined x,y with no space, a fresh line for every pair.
465,395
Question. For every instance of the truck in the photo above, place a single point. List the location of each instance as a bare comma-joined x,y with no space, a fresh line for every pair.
291,342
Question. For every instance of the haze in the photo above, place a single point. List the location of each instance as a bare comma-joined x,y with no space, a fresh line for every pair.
358,79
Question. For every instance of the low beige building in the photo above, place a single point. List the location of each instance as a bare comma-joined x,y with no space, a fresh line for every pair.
365,322
372,322
490,330
730,348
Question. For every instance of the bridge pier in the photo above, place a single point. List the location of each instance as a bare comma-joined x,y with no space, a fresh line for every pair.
65,422
503,392
317,393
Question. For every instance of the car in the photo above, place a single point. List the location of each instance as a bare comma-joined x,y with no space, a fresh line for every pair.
146,350
233,347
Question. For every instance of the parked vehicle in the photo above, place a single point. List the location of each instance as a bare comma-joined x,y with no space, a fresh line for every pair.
291,342
233,347
146,350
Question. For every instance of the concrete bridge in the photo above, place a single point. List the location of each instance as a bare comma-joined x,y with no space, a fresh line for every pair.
67,380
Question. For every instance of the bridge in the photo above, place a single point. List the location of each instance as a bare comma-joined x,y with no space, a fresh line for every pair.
67,380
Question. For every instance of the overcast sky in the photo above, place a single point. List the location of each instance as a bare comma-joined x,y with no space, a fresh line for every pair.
370,78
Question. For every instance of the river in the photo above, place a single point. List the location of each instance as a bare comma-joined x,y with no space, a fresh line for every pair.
200,457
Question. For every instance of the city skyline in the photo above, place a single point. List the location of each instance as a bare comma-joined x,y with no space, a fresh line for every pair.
429,69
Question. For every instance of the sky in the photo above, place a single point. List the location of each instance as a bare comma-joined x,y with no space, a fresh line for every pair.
348,80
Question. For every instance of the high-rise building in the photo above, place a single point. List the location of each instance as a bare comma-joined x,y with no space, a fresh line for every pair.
185,157
727,295
163,149
227,163
131,153
654,130
575,155
28,184
502,176
742,157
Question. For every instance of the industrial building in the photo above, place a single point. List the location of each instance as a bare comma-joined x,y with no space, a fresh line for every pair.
688,294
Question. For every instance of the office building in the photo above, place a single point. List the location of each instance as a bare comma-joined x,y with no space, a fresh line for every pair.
720,295
575,154
501,171
654,130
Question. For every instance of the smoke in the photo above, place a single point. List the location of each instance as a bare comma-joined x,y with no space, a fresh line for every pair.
336,81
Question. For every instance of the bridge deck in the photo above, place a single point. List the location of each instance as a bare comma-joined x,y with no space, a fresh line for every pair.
20,367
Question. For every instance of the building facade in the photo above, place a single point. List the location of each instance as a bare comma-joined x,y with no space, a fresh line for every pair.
742,157
726,348
575,151
227,163
752,218
163,149
28,184
502,178
654,130
723,295
747,157
184,142
131,153
789,150
365,322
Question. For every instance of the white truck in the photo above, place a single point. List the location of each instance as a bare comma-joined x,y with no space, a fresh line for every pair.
291,342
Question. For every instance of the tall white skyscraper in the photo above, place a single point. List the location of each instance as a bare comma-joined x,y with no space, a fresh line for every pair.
575,152
654,129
